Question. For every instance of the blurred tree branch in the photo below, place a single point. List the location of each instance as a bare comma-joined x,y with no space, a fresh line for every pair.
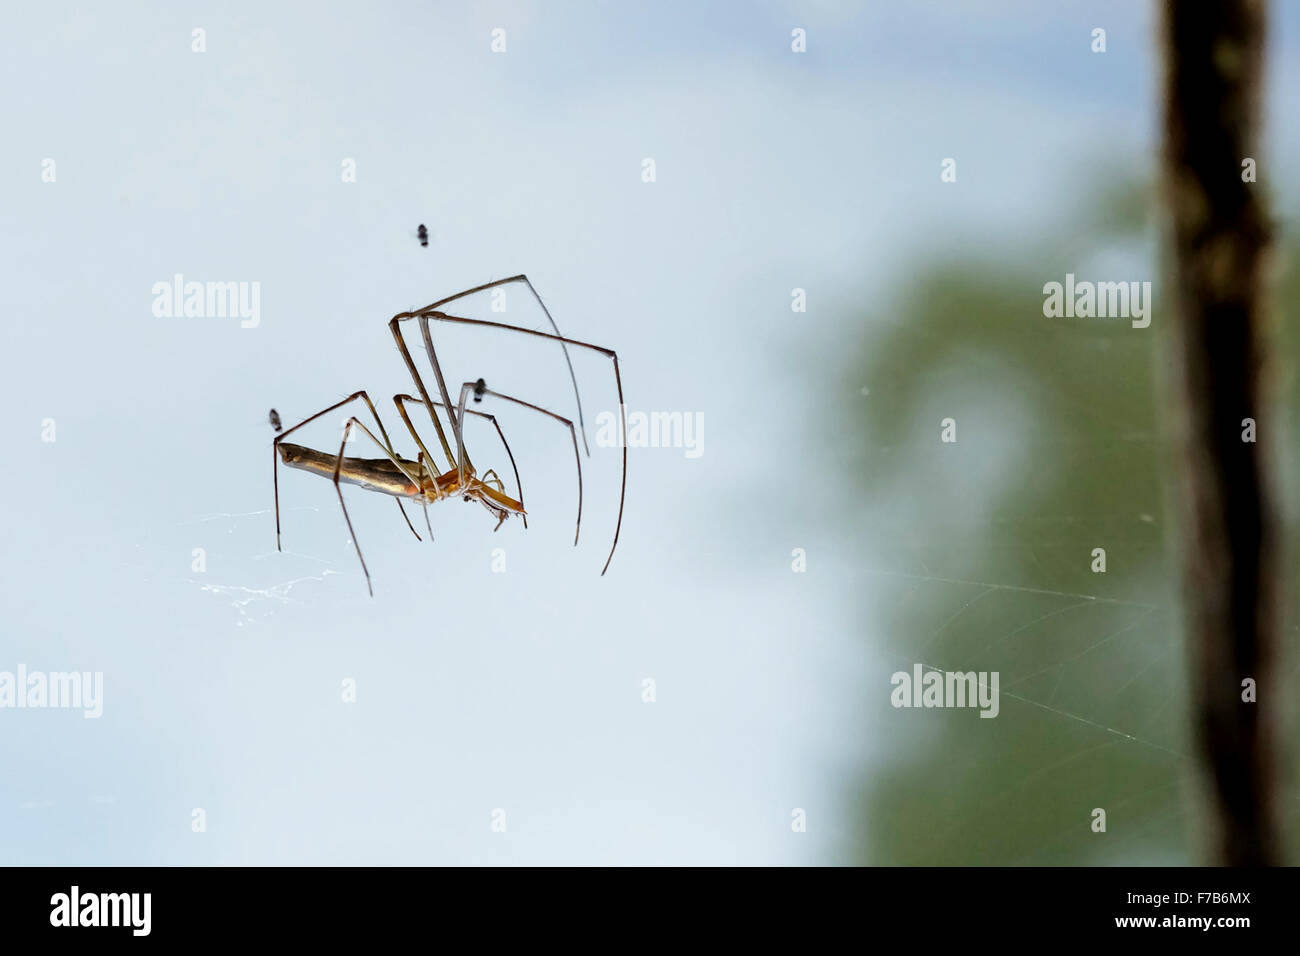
1220,238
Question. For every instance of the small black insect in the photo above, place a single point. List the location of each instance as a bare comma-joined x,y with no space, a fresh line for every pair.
423,235
479,387
275,419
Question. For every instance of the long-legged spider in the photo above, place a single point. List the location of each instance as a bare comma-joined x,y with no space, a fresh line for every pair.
420,479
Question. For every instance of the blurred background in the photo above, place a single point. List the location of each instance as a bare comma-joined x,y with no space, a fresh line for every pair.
766,588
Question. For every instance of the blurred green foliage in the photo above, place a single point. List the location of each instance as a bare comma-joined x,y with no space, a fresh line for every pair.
978,555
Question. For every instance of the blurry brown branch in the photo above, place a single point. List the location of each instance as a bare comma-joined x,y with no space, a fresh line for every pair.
1220,236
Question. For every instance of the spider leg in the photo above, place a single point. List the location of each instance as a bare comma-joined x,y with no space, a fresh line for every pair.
425,317
394,326
582,423
387,445
338,488
398,400
424,501
481,389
